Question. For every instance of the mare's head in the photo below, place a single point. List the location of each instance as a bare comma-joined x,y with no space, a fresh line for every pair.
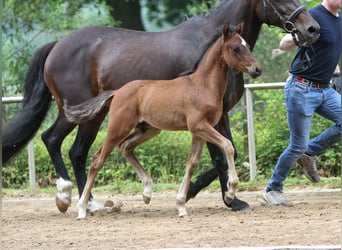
291,16
236,52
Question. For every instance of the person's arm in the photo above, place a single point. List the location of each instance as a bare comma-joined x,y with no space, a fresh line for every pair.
287,43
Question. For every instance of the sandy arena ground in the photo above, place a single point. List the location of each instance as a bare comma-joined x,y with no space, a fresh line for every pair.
314,219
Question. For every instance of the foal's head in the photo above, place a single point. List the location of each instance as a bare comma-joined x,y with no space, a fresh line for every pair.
236,51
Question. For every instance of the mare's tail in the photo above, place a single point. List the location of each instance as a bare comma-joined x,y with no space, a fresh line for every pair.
88,109
37,97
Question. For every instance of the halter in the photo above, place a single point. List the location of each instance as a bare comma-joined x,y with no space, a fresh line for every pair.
288,24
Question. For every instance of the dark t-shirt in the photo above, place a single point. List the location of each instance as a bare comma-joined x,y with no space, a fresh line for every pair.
324,54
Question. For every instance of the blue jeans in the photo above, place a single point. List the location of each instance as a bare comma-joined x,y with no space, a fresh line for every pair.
302,101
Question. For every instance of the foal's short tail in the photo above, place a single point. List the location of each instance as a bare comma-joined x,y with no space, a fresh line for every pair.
88,109
37,97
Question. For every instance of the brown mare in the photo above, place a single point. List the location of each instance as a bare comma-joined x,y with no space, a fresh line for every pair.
193,102
95,59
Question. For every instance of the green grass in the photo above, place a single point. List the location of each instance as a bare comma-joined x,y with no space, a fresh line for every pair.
132,188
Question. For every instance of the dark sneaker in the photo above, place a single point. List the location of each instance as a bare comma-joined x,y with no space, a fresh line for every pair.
273,198
308,164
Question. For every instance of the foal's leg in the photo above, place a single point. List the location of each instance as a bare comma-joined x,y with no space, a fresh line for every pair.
208,133
53,138
97,163
219,161
192,162
220,169
99,159
120,123
223,127
127,149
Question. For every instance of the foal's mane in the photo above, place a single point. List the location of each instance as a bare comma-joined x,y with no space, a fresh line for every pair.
208,45
212,12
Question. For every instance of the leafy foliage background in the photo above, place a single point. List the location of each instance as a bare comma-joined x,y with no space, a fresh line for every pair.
29,24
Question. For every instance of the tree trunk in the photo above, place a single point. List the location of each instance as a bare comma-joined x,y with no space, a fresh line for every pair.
127,12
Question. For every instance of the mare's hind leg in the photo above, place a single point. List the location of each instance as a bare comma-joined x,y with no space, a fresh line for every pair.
196,148
53,138
78,154
127,147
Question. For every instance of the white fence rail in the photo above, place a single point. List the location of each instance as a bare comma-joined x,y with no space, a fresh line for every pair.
250,127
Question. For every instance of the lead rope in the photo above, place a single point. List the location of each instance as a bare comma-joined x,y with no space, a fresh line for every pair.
266,12
304,57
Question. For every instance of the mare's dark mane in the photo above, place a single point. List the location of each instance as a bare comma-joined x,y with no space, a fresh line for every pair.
216,9
212,12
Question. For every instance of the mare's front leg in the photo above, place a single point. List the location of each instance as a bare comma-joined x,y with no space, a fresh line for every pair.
196,148
53,138
139,136
79,152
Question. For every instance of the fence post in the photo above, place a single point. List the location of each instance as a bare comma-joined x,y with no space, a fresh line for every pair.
251,138
31,162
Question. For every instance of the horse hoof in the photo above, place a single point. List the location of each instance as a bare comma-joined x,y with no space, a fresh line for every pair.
182,213
94,206
146,199
228,200
63,197
238,205
82,209
62,206
82,214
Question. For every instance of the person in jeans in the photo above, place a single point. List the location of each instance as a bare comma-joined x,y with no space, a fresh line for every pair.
307,91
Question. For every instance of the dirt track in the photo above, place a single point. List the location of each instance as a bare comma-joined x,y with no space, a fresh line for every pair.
35,223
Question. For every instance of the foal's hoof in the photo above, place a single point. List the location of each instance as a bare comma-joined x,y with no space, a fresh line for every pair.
94,206
182,212
146,199
82,209
62,206
238,205
82,214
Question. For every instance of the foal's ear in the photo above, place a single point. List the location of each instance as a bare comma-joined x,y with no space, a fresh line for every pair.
239,28
226,31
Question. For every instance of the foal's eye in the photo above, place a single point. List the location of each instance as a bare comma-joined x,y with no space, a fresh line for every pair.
236,49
